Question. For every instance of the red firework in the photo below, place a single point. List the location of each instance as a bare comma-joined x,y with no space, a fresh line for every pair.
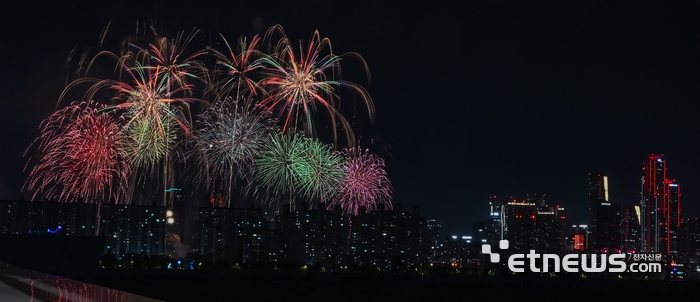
365,183
300,84
80,156
239,67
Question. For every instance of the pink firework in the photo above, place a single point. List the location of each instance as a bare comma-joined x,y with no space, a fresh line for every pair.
365,183
80,156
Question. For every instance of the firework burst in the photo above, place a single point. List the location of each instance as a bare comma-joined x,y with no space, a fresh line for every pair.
153,117
239,68
152,96
80,156
149,139
161,55
275,169
365,183
319,171
231,135
298,85
166,57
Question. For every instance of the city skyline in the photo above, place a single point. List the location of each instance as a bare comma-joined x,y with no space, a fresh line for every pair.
539,97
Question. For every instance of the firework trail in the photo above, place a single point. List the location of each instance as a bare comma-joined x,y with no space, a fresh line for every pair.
298,85
80,156
167,57
230,136
162,55
365,183
239,68
319,171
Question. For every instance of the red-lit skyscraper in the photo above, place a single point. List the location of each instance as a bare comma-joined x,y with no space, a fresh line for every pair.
660,208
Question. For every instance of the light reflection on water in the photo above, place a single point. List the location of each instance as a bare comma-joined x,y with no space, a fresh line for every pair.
36,287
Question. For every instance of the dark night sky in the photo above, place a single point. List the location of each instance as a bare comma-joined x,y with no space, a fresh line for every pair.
475,100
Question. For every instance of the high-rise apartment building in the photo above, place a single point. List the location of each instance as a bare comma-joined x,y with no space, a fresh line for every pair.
31,217
323,233
131,229
392,240
233,235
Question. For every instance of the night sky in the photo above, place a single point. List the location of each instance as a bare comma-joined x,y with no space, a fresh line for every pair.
475,100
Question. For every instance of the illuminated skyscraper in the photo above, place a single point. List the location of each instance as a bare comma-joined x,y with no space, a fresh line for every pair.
519,225
673,200
605,215
689,234
549,229
597,197
528,224
494,227
660,207
433,237
629,229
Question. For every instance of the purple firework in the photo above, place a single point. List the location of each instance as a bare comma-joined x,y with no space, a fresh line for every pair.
365,183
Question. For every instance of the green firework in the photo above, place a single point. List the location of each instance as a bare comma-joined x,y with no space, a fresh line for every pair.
149,139
319,171
275,168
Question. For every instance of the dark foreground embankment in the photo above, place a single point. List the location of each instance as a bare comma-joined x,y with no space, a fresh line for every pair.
250,285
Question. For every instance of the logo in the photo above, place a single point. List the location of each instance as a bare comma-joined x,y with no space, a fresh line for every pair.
571,263
495,257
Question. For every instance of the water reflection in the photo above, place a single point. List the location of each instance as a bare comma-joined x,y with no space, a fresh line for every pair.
36,287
